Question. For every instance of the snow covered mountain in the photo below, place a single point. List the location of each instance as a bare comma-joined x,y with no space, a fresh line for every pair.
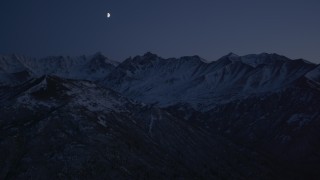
17,69
152,79
240,117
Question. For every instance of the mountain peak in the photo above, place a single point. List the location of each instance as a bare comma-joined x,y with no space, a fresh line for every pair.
231,54
229,57
149,55
191,57
194,58
99,59
144,59
98,55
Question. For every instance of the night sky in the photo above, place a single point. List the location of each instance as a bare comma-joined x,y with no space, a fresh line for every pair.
170,28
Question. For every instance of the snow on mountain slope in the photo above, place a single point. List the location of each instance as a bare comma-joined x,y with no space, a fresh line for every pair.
88,68
93,67
145,75
255,60
13,63
314,75
152,79
36,93
62,128
13,71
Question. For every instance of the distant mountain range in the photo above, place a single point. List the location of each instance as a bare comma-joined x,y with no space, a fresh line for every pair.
240,117
16,69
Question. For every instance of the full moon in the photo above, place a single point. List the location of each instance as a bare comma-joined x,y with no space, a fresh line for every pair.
108,15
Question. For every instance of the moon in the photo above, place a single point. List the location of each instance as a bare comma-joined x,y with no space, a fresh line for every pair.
108,15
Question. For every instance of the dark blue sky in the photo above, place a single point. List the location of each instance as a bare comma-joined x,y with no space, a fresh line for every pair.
170,28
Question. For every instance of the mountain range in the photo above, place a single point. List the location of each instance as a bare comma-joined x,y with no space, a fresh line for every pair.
241,117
